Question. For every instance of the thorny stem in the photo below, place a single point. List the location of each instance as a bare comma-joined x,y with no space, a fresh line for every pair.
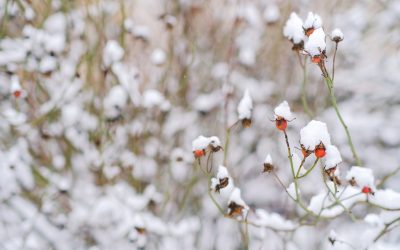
329,84
308,171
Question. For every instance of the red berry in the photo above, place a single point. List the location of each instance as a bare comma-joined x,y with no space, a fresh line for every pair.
316,59
320,152
17,93
366,190
281,123
198,153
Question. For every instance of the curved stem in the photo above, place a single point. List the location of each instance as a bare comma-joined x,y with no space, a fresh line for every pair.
329,84
309,170
291,165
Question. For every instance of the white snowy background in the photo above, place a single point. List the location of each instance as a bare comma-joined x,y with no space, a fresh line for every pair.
100,102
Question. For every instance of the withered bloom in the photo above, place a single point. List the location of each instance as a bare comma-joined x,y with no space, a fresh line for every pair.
234,210
222,184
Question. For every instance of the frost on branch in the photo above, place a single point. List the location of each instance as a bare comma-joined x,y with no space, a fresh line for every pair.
245,109
112,53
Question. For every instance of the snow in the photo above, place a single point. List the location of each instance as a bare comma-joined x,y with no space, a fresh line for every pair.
283,110
237,198
313,21
337,35
315,44
115,101
112,53
363,176
387,198
48,64
273,220
292,190
313,134
245,106
203,142
271,13
222,172
332,157
268,159
224,192
293,29
158,57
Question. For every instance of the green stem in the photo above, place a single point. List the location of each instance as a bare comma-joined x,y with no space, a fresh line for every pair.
301,165
291,165
329,84
309,170
303,93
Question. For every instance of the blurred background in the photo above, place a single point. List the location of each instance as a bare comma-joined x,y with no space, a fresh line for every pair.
100,101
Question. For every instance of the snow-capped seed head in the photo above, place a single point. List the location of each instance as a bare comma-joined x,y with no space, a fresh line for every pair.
362,177
315,44
312,22
237,208
293,30
333,157
337,35
215,144
313,134
15,88
332,174
268,164
201,143
245,109
283,111
332,237
320,150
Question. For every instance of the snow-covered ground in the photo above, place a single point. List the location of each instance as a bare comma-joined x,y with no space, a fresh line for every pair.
160,124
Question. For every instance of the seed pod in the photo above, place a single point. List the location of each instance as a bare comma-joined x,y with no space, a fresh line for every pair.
281,123
222,183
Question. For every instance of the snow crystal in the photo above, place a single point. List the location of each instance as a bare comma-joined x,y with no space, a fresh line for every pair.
152,98
293,29
337,35
315,44
313,134
247,56
268,159
112,53
56,23
158,57
313,21
332,157
283,110
363,176
245,106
